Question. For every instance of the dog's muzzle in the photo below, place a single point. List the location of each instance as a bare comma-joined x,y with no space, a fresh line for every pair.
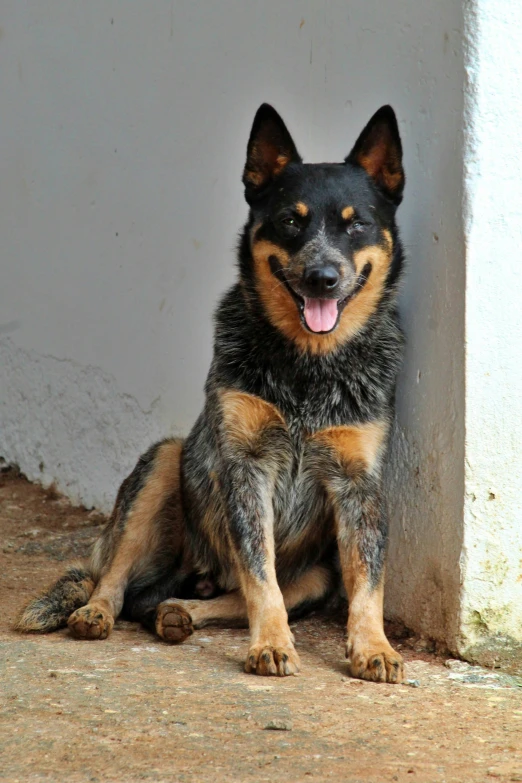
319,301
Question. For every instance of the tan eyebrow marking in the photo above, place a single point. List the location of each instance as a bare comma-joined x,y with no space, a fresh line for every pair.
301,209
347,213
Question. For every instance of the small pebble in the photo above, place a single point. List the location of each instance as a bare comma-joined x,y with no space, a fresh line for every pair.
453,663
412,683
278,725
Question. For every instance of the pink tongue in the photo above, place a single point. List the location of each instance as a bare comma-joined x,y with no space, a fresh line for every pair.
320,314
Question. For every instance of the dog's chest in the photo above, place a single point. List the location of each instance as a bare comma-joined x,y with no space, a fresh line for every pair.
301,508
299,491
312,399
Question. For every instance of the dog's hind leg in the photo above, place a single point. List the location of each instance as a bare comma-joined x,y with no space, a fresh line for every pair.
176,619
145,535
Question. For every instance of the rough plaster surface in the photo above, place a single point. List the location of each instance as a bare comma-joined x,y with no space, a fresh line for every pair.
70,424
122,147
492,553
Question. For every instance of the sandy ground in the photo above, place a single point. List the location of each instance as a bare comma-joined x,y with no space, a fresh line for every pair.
132,708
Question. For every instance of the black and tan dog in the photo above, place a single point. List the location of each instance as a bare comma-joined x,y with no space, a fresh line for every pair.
279,481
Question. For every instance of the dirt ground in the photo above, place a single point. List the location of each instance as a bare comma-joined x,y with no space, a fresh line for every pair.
132,708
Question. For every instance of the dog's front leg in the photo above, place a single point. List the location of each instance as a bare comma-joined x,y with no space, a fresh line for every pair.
350,464
361,535
254,451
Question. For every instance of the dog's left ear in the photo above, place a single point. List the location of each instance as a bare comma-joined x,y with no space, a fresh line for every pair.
378,150
270,149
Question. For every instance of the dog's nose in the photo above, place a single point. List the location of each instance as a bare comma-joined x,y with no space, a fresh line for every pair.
321,280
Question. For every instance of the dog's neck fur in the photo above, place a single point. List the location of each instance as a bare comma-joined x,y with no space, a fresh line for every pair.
249,351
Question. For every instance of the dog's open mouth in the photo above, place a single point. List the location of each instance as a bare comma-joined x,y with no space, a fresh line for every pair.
320,316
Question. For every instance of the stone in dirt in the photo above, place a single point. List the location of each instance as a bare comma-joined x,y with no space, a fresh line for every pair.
278,725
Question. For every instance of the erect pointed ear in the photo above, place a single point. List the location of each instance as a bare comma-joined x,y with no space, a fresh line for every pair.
379,151
270,149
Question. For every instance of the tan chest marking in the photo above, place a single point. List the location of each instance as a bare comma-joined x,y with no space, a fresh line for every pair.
246,417
360,445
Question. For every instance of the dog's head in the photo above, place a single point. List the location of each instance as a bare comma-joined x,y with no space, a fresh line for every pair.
322,237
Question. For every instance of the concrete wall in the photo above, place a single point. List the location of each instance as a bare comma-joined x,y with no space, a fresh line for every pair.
492,554
123,135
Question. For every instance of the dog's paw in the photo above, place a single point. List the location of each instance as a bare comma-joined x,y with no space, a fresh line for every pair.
272,660
377,662
173,622
90,622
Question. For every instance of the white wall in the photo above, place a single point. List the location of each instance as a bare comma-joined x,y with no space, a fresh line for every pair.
124,127
492,554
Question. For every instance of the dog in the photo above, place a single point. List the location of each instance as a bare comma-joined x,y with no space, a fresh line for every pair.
276,493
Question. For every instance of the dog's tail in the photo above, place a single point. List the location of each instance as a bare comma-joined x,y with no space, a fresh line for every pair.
52,608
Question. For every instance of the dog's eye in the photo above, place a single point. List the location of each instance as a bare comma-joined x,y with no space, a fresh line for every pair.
290,225
355,226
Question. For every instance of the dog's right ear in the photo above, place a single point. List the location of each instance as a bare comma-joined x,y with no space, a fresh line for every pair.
270,149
